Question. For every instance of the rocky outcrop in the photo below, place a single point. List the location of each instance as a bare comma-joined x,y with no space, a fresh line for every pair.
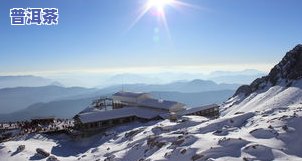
289,69
20,148
52,158
42,152
244,89
290,66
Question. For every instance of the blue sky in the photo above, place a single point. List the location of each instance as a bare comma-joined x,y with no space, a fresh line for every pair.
93,36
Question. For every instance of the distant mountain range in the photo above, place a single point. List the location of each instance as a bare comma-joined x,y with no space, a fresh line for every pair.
25,81
239,77
105,80
60,109
179,86
26,102
24,97
14,99
229,77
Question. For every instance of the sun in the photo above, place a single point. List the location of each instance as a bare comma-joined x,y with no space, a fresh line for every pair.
159,4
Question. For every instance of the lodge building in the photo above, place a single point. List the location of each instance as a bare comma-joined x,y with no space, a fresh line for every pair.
124,107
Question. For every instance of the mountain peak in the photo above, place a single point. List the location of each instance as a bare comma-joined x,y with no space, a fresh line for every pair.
298,47
288,69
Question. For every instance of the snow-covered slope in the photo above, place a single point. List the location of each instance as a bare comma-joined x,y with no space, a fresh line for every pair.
248,136
268,99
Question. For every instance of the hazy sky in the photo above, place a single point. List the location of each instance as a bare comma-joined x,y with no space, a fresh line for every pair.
94,36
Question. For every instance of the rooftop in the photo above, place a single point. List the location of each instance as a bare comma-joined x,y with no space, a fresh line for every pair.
160,104
129,94
118,113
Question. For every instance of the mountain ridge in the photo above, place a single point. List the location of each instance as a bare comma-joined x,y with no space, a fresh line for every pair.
26,81
289,69
281,88
18,98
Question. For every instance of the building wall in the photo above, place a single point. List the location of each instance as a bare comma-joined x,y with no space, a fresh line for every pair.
131,100
116,104
177,108
100,125
128,100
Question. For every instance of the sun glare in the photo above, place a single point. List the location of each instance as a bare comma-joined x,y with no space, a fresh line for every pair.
158,4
